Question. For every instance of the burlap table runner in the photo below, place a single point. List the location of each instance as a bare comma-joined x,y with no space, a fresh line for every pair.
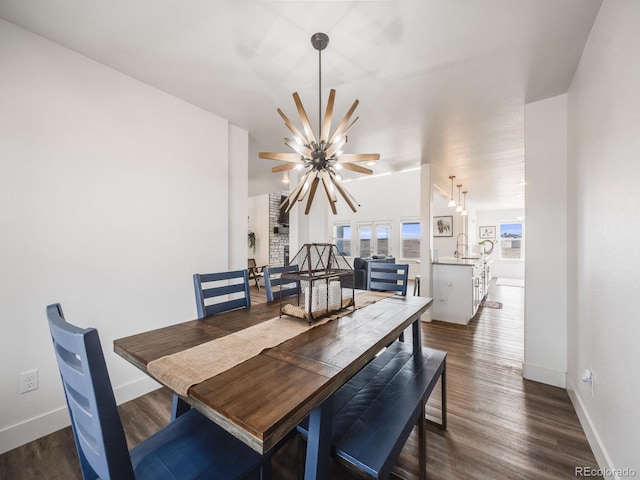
182,370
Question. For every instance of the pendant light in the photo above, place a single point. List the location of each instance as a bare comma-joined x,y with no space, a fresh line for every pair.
452,202
464,212
459,207
321,156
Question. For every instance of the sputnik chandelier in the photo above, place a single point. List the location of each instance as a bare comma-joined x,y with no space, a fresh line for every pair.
323,156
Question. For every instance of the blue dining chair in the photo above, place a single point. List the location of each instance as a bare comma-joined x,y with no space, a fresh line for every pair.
388,276
231,287
190,447
278,287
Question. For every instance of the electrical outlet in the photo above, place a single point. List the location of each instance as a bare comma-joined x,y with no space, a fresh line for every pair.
29,381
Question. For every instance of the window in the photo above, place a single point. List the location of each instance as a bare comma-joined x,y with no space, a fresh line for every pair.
511,241
364,240
383,232
410,240
374,239
342,233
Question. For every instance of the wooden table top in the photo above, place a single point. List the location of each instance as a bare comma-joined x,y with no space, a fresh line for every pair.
262,399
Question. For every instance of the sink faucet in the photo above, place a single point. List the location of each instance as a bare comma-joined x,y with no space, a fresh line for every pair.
464,244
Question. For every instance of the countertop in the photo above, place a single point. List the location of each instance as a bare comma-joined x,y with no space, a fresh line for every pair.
464,262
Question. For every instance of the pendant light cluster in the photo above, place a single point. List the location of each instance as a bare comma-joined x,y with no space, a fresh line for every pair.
460,206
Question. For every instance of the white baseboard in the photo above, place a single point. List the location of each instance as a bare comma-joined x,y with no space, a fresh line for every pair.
544,375
29,430
24,432
602,457
135,389
426,316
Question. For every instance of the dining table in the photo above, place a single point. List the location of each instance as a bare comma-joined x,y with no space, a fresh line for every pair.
260,392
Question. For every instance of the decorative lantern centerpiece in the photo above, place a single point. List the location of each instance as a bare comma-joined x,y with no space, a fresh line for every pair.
321,268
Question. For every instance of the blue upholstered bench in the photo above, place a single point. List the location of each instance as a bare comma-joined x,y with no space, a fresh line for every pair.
375,411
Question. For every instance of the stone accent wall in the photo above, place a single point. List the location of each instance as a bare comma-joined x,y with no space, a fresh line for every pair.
277,241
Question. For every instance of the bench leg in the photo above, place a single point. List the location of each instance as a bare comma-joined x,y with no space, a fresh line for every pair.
422,442
443,384
444,396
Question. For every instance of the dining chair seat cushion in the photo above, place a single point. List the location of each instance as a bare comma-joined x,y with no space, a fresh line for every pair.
193,447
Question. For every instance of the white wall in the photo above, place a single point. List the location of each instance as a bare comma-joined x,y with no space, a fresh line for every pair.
446,246
238,196
545,339
383,198
604,259
112,194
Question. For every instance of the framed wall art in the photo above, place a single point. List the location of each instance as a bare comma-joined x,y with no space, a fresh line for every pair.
443,226
487,232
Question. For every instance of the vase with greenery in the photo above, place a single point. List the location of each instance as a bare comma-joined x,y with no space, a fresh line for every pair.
252,241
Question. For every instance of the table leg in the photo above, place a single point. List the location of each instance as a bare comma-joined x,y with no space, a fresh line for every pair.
319,443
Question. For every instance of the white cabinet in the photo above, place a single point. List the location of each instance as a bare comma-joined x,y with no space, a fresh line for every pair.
459,287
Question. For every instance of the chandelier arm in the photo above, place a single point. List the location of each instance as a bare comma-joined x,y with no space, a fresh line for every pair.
292,128
293,196
312,192
326,125
344,122
307,184
357,168
358,157
335,147
284,167
352,202
301,149
346,130
284,157
331,195
304,119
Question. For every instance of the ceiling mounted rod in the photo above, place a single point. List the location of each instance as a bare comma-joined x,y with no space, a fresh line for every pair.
464,212
319,41
452,202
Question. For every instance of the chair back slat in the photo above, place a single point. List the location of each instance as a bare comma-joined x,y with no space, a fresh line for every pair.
277,286
230,289
224,290
388,276
96,425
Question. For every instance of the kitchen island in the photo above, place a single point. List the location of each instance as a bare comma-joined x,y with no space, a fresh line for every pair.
459,286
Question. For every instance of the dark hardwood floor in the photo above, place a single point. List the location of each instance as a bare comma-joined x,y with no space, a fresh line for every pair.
500,426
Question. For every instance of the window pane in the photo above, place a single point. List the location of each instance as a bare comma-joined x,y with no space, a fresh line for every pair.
410,240
364,234
511,240
382,240
343,239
